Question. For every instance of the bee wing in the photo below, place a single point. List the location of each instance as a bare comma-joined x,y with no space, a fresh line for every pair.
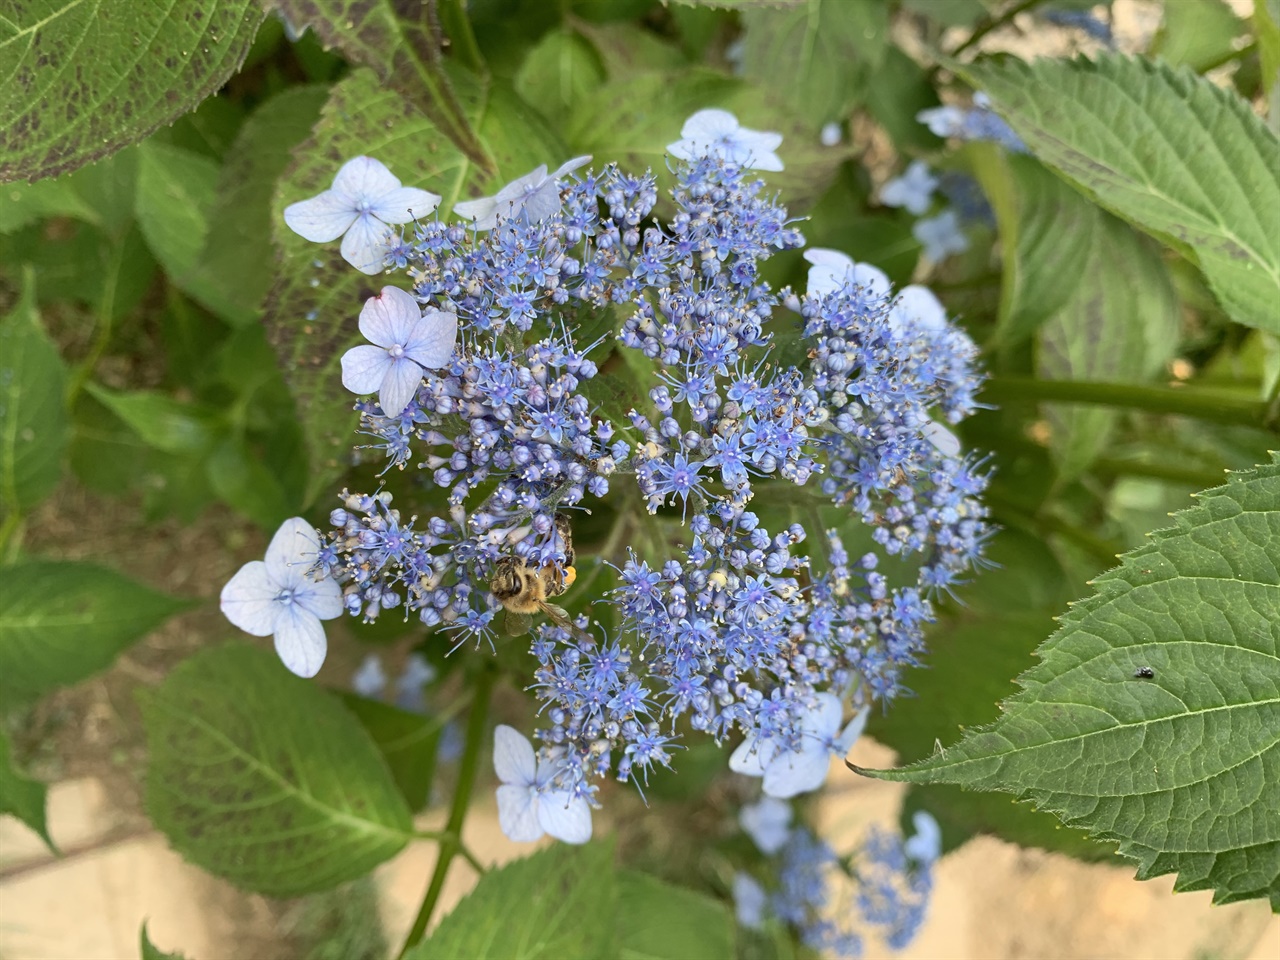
560,617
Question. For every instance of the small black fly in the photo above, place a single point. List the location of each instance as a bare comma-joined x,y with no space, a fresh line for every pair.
1144,673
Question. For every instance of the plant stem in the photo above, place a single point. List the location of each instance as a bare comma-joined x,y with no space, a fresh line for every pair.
1188,402
1158,471
993,23
451,843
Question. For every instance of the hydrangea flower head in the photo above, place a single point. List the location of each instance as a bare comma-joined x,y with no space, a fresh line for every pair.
533,197
913,190
717,133
529,802
364,199
278,596
789,771
404,341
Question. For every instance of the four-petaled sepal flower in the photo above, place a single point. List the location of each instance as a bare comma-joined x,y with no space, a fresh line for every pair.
532,198
790,772
364,199
717,133
405,340
279,596
529,803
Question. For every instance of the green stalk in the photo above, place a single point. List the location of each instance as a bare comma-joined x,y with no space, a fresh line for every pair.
451,837
993,23
1187,402
462,40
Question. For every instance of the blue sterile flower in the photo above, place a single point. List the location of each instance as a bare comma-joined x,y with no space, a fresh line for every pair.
791,769
940,236
750,901
925,845
364,199
717,134
767,822
279,596
830,135
370,680
533,197
530,802
405,341
417,673
1081,20
978,123
913,190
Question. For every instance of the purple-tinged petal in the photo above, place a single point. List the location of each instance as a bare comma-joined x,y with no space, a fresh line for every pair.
518,813
300,640
366,245
323,598
404,204
517,188
433,338
565,817
365,179
399,386
390,318
364,368
322,218
292,552
513,759
248,599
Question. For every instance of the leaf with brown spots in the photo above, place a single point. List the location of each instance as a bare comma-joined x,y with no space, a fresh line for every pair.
83,78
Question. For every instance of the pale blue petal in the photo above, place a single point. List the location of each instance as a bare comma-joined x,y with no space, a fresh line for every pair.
364,368
768,823
830,270
390,318
916,306
707,126
942,438
483,211
399,386
793,773
370,680
516,190
404,204
248,599
542,203
751,756
749,900
323,598
822,720
432,341
365,178
292,552
300,640
565,817
518,813
570,165
513,759
366,244
844,743
926,845
322,218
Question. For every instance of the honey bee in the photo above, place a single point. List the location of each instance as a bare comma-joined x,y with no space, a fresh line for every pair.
523,588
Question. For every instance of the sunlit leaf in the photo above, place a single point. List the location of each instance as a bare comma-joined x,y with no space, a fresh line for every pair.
21,796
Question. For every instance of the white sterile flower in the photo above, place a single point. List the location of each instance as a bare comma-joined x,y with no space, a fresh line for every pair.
278,596
404,341
716,133
529,805
830,135
533,197
940,236
916,310
925,845
790,772
832,269
767,822
944,121
364,199
913,190
749,901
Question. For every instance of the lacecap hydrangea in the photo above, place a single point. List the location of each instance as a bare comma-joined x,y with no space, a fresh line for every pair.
479,376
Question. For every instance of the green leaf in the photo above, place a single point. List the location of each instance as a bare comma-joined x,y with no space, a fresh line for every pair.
237,247
818,56
402,52
25,203
407,741
175,196
149,951
557,904
1198,34
84,78
34,425
162,422
311,310
264,779
21,796
1178,767
245,483
62,622
657,921
1099,294
900,90
1266,24
561,71
1168,151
